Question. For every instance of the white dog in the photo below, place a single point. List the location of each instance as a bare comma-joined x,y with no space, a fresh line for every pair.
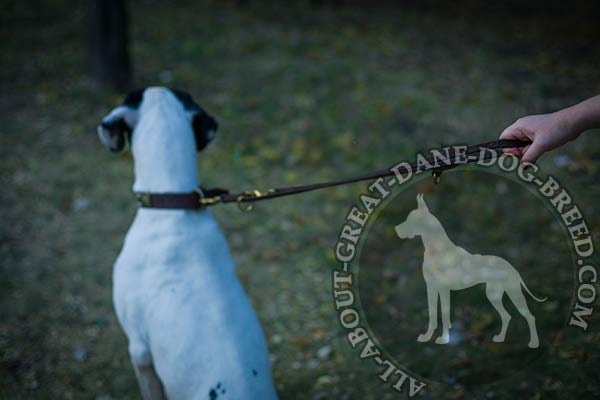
447,267
192,331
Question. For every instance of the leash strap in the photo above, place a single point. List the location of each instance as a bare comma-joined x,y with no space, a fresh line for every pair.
201,198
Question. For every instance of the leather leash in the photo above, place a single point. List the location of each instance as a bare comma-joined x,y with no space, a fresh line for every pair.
201,198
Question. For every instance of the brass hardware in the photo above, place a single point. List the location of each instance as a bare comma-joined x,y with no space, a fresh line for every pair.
247,196
207,201
437,174
201,199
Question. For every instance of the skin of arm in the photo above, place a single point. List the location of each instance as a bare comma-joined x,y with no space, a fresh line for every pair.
549,131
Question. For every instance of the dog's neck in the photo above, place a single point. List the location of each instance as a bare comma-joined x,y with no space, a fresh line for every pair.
164,151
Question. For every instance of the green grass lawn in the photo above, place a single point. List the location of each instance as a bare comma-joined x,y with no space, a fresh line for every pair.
302,93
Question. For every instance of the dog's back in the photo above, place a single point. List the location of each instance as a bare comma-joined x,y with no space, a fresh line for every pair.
182,306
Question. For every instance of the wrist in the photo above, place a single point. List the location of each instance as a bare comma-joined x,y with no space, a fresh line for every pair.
582,116
569,122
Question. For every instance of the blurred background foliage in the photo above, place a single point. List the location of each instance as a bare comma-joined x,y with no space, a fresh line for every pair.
304,91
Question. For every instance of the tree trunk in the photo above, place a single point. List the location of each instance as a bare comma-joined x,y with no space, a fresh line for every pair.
108,43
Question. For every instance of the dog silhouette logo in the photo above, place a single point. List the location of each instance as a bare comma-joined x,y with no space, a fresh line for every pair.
448,267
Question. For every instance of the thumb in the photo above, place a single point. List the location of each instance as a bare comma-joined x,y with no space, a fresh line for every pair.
534,152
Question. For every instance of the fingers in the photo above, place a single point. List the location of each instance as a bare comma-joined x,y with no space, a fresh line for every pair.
532,152
514,132
532,128
527,154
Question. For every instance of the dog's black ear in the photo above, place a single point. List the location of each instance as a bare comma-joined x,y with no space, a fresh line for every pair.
117,126
205,126
134,99
114,129
112,134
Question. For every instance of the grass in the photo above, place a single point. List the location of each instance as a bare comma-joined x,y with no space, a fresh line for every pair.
302,93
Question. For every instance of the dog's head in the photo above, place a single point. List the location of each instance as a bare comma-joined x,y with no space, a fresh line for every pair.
117,127
415,222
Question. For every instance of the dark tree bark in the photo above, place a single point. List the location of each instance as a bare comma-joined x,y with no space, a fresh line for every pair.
108,40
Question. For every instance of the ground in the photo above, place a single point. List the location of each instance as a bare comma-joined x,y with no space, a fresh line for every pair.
303,92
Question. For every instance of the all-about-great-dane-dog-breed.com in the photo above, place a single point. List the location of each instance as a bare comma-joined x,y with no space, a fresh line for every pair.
448,267
192,331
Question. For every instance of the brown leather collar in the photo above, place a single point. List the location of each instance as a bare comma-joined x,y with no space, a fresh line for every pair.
195,200
201,198
169,200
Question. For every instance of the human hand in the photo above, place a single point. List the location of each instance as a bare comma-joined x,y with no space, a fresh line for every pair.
545,131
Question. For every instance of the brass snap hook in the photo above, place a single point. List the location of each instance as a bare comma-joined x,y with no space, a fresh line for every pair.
206,201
